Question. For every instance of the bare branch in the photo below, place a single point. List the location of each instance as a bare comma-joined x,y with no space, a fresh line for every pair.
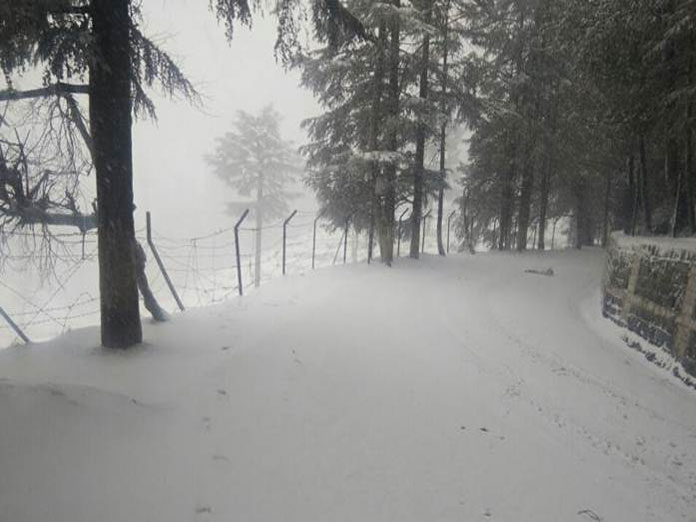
57,89
35,215
79,121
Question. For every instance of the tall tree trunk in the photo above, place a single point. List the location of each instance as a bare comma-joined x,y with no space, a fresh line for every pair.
580,213
354,244
440,205
110,118
374,209
507,196
607,199
465,215
443,134
527,187
525,204
149,299
674,176
534,234
375,117
690,176
644,191
674,221
388,206
419,167
548,164
544,201
633,189
259,231
508,232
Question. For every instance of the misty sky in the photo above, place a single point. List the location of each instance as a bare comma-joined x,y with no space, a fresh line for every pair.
172,178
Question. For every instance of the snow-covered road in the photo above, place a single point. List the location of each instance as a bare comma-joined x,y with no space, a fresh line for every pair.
446,389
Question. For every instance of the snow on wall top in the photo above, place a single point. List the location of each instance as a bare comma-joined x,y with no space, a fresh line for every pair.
683,248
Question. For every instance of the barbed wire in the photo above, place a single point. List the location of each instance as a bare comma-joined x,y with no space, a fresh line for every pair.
203,268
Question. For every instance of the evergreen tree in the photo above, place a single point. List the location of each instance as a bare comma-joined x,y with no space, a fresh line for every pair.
354,155
365,149
257,162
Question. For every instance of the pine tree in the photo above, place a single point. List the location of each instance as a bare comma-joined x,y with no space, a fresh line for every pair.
257,162
354,155
365,149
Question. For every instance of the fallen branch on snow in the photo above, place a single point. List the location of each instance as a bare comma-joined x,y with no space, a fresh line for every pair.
548,272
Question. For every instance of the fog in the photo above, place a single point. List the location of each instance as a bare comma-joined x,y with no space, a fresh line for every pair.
241,75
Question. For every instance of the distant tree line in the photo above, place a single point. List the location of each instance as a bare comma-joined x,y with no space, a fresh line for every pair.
577,109
587,113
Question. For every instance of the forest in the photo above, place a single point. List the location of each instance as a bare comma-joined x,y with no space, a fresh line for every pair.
578,111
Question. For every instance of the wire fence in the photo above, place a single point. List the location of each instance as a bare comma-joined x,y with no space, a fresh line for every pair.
203,270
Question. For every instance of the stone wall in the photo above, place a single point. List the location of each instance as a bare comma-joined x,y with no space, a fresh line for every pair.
650,288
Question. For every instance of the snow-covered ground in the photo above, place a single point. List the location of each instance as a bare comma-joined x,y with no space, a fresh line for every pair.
440,390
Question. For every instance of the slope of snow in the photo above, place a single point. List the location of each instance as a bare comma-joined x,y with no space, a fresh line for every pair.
445,389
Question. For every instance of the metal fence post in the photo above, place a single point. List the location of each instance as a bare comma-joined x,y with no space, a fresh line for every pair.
449,221
160,264
314,238
371,234
236,251
345,240
425,222
398,238
285,235
14,326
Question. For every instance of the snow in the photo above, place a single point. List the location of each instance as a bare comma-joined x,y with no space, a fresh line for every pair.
382,156
445,389
676,244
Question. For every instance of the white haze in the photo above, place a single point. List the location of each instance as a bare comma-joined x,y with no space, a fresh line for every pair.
172,178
